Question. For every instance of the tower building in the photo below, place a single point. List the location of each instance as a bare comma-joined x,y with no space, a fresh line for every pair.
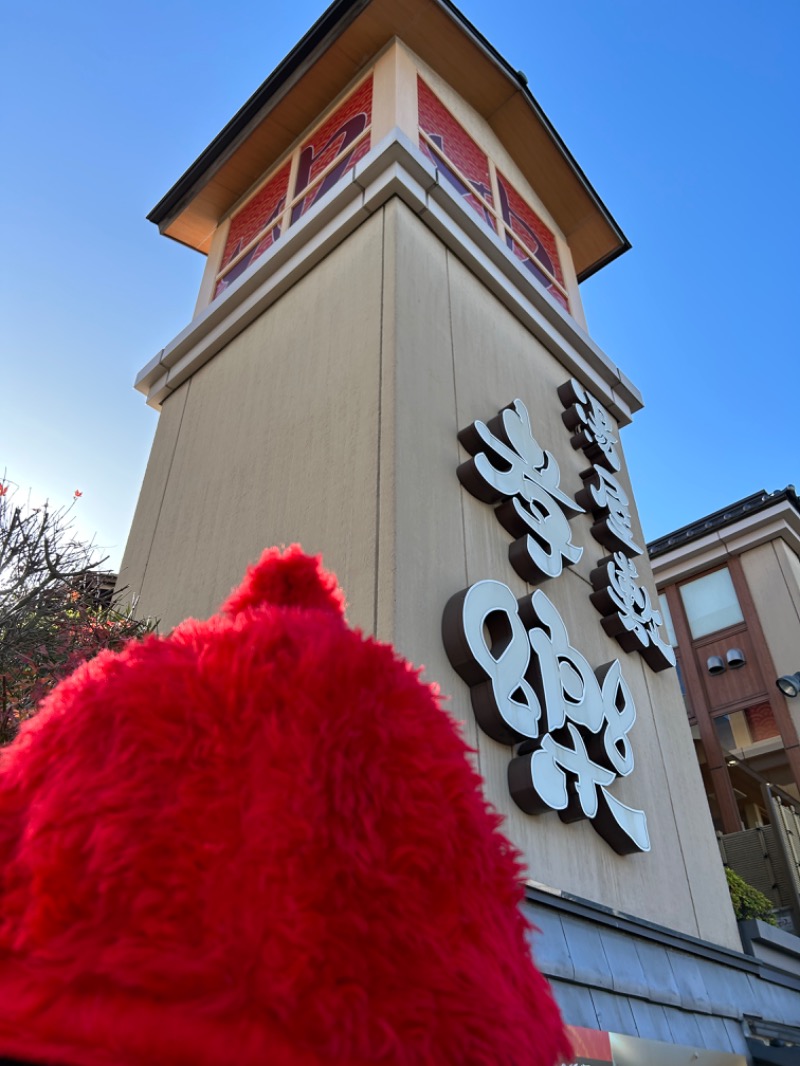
389,363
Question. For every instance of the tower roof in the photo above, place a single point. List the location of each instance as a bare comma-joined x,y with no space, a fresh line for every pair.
345,38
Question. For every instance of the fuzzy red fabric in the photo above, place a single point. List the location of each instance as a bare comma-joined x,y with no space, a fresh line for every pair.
258,842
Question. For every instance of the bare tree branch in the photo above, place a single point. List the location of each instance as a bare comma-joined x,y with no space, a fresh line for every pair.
55,605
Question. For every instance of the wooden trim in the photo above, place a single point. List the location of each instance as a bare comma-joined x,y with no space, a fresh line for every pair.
715,757
407,114
515,237
501,226
394,92
680,663
495,193
286,217
355,143
247,249
384,93
434,147
208,285
721,634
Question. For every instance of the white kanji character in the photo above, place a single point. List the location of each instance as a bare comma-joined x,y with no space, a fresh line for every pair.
630,616
505,705
590,425
510,465
608,502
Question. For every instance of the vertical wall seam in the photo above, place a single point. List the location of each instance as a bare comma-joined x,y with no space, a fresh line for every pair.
166,485
689,879
455,403
455,413
786,578
380,431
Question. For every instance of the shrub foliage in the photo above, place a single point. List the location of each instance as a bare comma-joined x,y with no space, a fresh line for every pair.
57,608
747,901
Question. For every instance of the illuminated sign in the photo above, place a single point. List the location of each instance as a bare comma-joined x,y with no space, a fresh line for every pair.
628,613
530,687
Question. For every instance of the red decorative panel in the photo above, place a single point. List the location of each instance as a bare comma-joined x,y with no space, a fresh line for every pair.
524,221
761,723
458,147
263,209
590,1047
331,140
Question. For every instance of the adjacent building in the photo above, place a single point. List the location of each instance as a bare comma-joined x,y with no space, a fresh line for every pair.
730,589
389,363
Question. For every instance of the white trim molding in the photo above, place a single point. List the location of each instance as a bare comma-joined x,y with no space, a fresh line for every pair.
702,553
394,167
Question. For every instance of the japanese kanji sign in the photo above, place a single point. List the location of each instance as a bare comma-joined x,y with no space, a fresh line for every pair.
510,468
628,614
529,684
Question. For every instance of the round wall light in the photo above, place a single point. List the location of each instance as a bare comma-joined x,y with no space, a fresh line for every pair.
715,665
789,684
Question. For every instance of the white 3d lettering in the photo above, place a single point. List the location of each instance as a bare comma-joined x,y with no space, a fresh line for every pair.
529,684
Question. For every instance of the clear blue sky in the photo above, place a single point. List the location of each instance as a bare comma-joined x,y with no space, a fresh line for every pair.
683,115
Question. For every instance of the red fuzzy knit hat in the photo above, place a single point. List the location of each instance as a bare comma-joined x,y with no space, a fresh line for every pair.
258,842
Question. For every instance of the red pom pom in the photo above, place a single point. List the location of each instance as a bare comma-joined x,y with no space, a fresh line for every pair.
287,578
259,841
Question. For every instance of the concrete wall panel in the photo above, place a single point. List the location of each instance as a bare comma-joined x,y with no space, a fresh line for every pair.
332,419
461,356
429,558
151,496
278,443
773,577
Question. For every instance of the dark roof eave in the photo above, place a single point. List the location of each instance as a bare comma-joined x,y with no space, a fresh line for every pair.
340,14
625,246
533,103
758,501
336,17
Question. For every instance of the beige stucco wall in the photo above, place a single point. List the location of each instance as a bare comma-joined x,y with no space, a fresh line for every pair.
459,356
332,420
273,441
773,577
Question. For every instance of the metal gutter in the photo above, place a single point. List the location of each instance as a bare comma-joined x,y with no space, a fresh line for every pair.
625,246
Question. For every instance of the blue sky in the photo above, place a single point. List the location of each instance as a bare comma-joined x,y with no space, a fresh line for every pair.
683,115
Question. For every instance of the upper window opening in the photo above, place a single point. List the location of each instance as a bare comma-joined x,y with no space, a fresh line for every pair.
489,193
334,148
711,603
